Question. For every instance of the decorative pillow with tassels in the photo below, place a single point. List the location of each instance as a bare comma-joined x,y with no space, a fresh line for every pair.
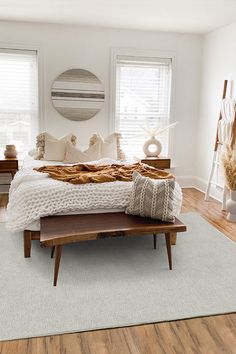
110,147
152,198
76,155
52,149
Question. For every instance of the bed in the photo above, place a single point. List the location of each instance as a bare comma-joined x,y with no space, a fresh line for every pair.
34,195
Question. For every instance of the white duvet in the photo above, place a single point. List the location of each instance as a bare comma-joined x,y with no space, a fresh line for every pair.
33,195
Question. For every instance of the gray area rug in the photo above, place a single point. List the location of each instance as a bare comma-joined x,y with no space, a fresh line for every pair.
115,282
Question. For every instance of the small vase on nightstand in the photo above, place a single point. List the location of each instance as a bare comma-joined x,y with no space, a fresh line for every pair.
231,206
157,147
10,151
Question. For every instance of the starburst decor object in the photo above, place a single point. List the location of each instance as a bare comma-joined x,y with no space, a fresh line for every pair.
153,132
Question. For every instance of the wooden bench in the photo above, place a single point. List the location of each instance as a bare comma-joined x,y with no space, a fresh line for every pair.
57,231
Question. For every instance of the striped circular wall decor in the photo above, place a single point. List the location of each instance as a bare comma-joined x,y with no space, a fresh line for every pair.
77,94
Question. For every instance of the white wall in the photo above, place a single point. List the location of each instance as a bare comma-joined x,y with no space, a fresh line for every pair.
66,47
218,64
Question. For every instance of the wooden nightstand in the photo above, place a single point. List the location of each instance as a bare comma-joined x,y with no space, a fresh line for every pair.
158,162
8,165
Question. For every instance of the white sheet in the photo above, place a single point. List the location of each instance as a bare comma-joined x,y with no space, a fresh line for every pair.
33,195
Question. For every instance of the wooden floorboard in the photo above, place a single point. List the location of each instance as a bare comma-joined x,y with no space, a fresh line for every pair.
205,335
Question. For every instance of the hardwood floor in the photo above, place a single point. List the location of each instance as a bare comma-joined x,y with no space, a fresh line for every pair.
206,335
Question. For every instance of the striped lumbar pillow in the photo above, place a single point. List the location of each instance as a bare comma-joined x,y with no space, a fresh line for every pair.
152,198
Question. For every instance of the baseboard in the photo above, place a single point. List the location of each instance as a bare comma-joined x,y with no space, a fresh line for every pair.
186,181
199,184
215,192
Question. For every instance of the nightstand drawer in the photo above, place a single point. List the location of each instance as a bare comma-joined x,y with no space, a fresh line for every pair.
8,165
161,163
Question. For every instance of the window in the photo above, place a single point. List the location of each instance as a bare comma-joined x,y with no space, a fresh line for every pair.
142,100
18,98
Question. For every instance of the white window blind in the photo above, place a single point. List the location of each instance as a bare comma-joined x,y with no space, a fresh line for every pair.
18,98
142,99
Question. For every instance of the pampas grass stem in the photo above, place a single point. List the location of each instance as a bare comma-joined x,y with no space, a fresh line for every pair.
229,164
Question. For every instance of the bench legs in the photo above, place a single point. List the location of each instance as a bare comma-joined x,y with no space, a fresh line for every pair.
155,241
57,263
27,243
170,237
52,251
168,247
170,240
173,238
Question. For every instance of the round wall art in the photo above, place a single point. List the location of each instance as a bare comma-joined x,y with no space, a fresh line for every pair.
77,94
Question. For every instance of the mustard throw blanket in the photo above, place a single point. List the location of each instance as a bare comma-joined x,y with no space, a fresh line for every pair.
82,173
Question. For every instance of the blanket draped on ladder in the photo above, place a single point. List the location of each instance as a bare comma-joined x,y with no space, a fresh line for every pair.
227,124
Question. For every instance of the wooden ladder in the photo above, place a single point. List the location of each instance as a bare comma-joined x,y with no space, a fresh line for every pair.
216,158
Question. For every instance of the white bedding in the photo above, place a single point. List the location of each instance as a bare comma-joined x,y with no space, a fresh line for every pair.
33,195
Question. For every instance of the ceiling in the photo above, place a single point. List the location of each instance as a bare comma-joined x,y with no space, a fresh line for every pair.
191,16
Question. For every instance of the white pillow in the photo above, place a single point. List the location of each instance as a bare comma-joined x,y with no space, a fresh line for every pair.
46,142
75,155
54,150
110,147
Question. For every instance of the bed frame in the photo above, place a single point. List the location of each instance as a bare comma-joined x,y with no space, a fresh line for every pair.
28,237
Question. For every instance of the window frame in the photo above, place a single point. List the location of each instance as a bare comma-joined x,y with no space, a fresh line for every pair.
148,53
39,49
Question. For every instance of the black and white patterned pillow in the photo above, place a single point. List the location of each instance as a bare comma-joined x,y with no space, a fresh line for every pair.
152,198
